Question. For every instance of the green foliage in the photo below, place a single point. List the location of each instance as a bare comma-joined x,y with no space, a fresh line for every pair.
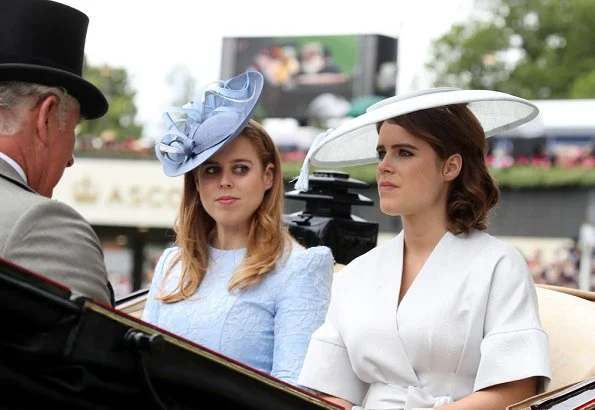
523,177
517,177
119,121
461,60
584,86
537,49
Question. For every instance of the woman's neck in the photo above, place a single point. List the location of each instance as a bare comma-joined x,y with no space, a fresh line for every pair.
422,234
230,238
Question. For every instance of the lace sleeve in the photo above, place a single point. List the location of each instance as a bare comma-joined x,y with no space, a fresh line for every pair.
300,308
151,309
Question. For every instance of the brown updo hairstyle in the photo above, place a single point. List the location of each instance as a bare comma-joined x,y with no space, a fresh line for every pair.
450,130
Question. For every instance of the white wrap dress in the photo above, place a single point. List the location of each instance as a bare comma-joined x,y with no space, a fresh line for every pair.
470,320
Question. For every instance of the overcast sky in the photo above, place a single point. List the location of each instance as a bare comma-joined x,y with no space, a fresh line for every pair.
149,38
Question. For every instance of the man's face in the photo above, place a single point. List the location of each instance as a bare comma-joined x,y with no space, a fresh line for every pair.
60,151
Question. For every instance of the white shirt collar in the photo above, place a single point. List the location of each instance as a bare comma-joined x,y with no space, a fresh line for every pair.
13,164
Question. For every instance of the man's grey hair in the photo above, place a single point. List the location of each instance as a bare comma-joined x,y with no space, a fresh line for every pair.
17,98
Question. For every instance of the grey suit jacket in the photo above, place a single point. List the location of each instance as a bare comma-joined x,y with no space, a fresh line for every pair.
50,238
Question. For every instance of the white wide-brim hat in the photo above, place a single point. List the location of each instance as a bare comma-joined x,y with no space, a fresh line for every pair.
354,142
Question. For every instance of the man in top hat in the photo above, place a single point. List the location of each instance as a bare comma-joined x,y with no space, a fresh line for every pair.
43,96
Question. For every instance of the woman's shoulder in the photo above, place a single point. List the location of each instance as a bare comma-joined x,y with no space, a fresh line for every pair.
169,252
300,253
483,242
489,254
167,255
300,258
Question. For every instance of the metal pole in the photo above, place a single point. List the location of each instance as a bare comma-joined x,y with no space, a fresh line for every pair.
586,243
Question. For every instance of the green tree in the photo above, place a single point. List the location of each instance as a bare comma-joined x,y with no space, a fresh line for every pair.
537,49
120,118
584,87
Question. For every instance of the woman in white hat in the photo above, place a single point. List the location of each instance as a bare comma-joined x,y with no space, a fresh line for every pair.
444,315
235,282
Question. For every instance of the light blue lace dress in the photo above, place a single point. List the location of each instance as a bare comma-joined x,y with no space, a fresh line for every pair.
266,327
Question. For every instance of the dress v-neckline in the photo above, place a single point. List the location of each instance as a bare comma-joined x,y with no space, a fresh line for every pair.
400,307
420,274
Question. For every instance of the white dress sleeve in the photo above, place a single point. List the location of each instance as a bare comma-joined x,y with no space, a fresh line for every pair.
515,345
327,367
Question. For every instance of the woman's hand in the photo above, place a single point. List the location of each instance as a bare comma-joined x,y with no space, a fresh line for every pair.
335,400
496,397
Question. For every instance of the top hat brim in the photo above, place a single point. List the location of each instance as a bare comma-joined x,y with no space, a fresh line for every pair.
354,142
93,103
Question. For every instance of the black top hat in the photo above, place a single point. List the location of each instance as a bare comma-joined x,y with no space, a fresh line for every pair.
43,42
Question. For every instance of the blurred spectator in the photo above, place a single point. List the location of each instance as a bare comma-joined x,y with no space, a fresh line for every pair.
589,159
561,270
502,154
107,143
313,58
540,158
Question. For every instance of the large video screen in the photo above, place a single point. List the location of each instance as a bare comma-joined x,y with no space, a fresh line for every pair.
311,76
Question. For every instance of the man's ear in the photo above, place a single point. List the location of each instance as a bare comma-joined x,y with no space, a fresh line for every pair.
452,167
46,117
269,175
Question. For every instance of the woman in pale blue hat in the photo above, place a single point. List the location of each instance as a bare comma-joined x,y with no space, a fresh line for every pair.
444,315
235,282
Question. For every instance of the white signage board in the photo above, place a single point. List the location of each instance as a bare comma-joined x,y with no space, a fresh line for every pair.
121,192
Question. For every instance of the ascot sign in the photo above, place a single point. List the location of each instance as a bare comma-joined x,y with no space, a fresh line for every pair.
120,192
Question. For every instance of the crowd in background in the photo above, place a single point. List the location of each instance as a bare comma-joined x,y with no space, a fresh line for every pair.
568,155
561,268
500,156
107,144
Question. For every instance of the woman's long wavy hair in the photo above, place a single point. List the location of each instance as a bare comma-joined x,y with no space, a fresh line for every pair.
268,242
450,130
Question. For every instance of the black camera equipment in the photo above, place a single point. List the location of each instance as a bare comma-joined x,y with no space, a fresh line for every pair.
327,219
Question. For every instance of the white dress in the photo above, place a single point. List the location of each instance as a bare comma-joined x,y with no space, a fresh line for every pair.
470,320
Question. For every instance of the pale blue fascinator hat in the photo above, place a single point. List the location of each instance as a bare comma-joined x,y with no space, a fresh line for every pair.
218,113
354,141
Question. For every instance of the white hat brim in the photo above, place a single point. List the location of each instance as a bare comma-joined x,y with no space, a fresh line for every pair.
354,142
